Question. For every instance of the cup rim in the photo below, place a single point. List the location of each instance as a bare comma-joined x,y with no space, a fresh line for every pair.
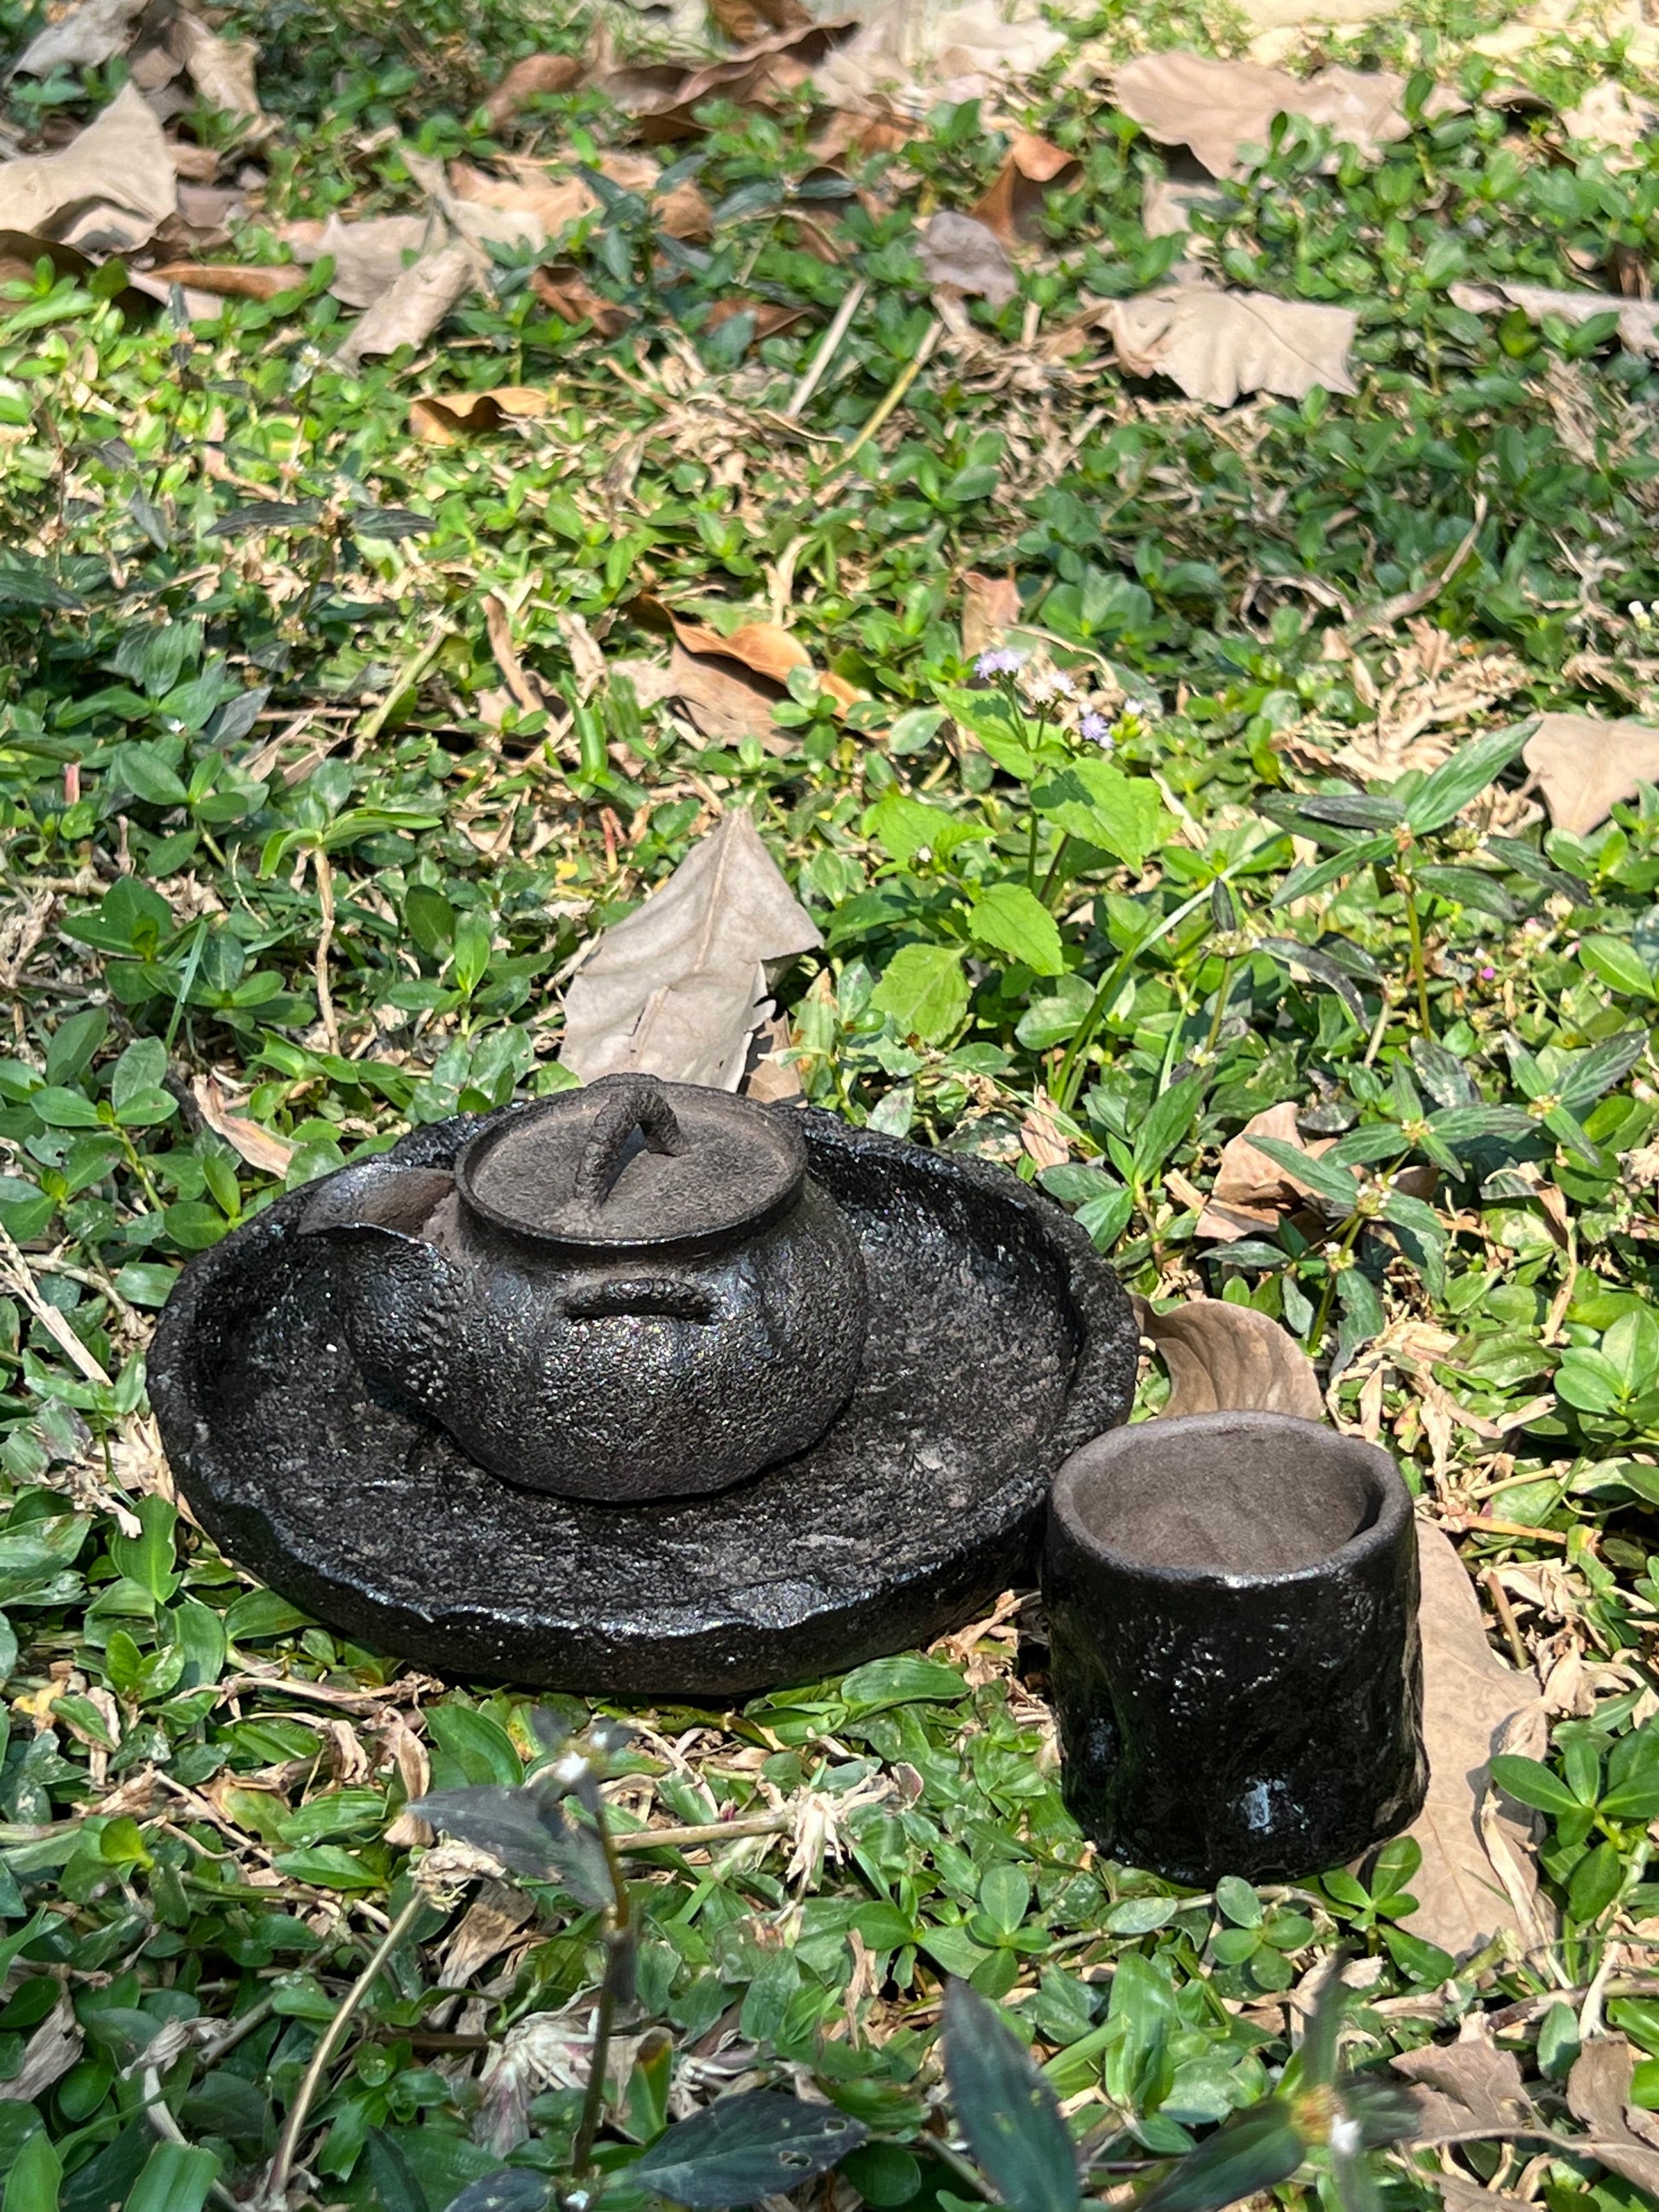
1395,1510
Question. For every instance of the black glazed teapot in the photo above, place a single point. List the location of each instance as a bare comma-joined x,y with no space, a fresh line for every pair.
625,1292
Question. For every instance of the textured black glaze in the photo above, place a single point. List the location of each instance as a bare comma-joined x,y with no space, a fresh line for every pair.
998,1342
1232,1599
621,1332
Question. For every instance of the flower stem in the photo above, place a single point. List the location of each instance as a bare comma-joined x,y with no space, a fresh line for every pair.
1420,968
1046,893
1223,992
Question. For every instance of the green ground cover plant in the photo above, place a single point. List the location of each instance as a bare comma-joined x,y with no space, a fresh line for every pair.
325,747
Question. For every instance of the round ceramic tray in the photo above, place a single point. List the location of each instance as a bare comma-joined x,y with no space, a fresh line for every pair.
999,1341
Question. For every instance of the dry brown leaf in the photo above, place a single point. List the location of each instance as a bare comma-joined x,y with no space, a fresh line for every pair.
259,1147
221,70
449,418
677,987
1223,1358
762,647
769,317
990,608
768,70
85,37
49,2052
1218,107
1251,1191
1042,1136
368,256
1598,2094
1167,205
767,1074
551,202
493,1919
226,281
1473,1705
726,704
562,287
1218,345
745,20
1586,766
1613,118
528,80
958,249
107,191
408,314
1468,2084
912,43
1012,208
1638,319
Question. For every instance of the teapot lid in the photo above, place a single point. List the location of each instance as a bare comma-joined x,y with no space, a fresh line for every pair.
631,1163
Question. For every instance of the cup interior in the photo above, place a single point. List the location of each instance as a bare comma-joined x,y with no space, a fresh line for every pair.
1245,1494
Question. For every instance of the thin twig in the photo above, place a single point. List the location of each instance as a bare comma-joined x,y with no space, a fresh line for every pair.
826,352
896,392
274,2197
712,1832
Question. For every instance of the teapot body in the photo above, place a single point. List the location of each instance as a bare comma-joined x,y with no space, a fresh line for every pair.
622,1375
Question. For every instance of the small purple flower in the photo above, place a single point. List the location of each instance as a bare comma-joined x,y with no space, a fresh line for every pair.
1487,974
1003,661
1095,729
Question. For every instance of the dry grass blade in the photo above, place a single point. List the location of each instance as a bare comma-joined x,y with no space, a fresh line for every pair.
1222,1357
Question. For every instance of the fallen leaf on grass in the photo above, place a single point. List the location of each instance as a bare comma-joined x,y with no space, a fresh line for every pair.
1598,2093
87,37
408,314
908,44
52,2049
527,80
744,21
550,203
990,608
1167,205
449,418
1223,1358
107,191
762,647
1638,319
562,286
270,1154
1218,107
368,256
678,987
1468,2084
221,70
1012,207
1473,1706
1613,118
960,250
1586,766
225,280
765,72
1251,1192
1218,345
769,317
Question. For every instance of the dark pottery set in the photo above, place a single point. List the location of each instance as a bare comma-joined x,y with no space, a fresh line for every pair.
650,1390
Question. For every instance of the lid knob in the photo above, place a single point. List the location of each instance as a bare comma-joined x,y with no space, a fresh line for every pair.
634,1102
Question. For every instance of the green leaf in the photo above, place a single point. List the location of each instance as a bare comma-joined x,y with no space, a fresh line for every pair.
1534,1784
1443,795
74,1044
36,2175
1012,920
1619,964
259,1614
1596,1881
884,1682
1090,799
1004,1898
1005,2108
1253,2150
742,2148
175,2179
1468,887
924,989
63,1108
146,1557
1167,1123
514,2189
1302,883
1598,1070
473,1746
1320,1175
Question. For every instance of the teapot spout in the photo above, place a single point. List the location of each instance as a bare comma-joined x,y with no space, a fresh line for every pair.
376,1193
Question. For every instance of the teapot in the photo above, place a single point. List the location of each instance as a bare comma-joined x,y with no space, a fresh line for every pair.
629,1291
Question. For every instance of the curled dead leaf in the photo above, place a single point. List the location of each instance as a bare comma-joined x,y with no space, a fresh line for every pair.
744,21
1598,2094
1638,319
1477,1875
1219,345
415,305
261,1148
678,987
1223,1358
48,2054
1251,1192
107,191
1218,107
85,37
1012,207
536,75
226,281
769,317
560,286
447,418
960,250
990,608
1468,2084
1586,766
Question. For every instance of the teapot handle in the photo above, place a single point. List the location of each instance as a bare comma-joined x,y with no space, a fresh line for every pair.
635,1101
